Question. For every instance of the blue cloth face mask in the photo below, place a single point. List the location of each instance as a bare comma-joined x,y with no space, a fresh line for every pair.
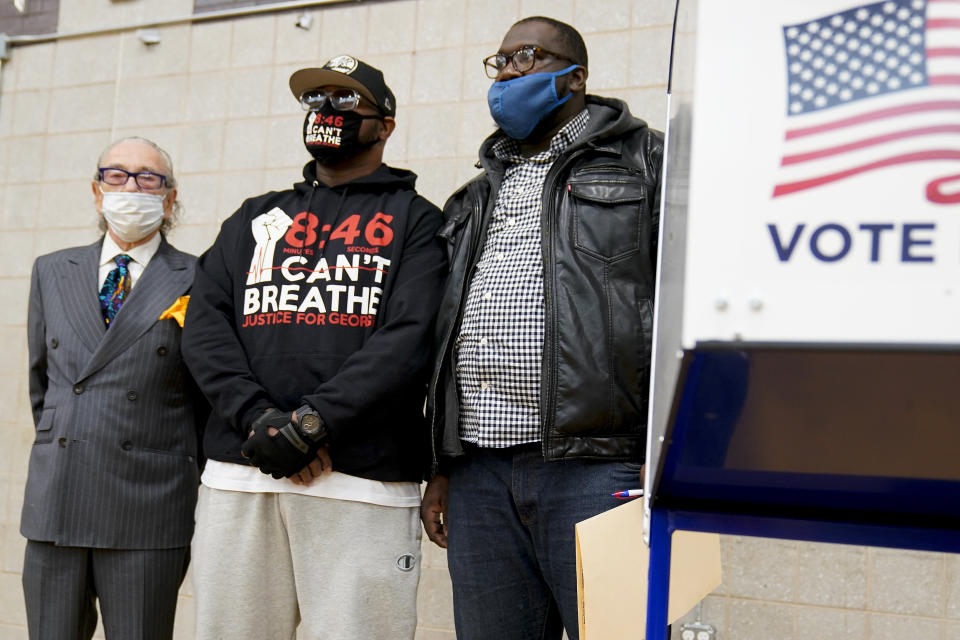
518,105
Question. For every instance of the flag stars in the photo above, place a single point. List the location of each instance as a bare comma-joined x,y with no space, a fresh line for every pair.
855,54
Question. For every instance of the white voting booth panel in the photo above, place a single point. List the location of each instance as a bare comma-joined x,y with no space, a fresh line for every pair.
823,135
811,196
807,334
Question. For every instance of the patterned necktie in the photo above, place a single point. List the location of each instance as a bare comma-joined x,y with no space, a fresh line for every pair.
115,288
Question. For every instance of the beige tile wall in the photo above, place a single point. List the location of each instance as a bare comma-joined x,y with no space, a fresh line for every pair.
804,591
214,94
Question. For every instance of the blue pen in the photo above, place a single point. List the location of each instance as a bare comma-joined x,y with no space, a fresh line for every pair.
631,493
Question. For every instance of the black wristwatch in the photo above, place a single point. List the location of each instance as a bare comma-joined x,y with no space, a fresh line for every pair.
310,423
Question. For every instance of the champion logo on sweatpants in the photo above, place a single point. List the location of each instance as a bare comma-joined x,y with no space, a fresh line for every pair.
406,562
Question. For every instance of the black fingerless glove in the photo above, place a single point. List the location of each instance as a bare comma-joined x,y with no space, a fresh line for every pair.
280,455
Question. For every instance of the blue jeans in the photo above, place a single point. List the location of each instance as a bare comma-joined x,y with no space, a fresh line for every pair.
510,535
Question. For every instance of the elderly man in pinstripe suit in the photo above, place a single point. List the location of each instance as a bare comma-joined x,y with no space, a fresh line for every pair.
113,476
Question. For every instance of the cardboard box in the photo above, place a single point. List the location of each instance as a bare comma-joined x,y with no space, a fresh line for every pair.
612,563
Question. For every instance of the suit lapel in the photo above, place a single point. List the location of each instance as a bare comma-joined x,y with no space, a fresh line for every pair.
78,286
165,279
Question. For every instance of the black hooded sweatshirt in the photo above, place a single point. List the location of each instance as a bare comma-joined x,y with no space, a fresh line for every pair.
325,296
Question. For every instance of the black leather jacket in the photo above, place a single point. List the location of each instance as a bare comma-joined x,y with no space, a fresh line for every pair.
600,219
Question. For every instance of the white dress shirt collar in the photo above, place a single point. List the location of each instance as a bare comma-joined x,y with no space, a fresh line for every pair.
141,256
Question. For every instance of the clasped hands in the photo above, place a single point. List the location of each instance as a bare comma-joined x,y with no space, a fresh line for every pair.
278,448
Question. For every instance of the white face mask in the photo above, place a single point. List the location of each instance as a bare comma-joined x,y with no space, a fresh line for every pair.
132,215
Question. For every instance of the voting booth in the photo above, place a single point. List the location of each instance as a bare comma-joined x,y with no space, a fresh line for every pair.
807,341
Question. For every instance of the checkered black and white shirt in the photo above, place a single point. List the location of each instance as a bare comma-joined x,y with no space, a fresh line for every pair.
499,349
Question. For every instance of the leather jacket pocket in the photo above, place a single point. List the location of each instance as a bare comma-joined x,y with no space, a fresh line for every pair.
607,214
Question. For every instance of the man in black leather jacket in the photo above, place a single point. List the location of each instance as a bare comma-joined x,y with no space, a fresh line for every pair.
538,400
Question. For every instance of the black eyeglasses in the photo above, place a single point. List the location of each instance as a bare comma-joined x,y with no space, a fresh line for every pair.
341,99
145,179
522,59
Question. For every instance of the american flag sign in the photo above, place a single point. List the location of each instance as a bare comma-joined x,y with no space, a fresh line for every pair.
873,87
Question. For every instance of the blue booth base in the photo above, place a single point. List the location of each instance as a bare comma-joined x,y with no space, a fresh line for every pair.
829,443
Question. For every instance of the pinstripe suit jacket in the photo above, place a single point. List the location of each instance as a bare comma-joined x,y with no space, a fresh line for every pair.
114,463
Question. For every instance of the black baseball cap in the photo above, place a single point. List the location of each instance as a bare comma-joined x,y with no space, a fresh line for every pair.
347,71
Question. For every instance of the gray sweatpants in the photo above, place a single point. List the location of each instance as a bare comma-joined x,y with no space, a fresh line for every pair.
265,562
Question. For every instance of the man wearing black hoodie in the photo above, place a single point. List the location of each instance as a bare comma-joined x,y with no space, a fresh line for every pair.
538,399
308,330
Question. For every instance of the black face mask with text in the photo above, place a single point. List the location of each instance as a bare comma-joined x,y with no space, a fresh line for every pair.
332,136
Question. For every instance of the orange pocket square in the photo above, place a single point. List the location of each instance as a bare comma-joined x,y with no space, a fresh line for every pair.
177,310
